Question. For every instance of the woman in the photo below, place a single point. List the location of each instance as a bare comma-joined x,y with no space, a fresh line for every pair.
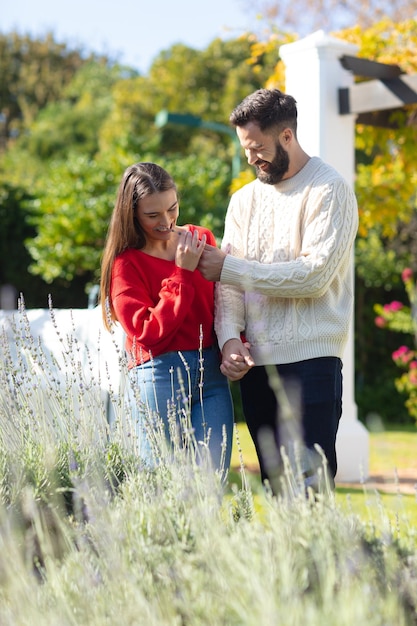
150,284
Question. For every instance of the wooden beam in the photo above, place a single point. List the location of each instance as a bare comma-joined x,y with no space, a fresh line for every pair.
381,119
378,95
370,69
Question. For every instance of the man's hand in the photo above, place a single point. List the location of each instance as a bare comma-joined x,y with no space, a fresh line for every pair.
236,359
211,262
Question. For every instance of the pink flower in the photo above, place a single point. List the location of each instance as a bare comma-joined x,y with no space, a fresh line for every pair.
413,365
413,377
380,322
395,306
407,274
403,355
401,351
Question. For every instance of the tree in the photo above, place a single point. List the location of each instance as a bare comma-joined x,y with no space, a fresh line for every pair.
100,118
305,16
14,268
73,122
207,84
70,213
386,158
14,230
33,73
74,205
385,188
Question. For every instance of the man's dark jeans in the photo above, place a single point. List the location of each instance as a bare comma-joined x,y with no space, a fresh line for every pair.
314,391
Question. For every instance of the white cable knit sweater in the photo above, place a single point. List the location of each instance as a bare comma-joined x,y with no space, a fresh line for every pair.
288,280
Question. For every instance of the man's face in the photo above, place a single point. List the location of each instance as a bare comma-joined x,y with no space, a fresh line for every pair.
265,153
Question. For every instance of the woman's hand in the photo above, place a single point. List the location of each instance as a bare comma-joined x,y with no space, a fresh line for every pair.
189,249
236,359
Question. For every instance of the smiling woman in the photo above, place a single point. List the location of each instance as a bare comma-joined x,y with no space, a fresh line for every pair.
151,285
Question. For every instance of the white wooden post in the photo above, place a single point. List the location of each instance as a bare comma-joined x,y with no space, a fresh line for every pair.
313,76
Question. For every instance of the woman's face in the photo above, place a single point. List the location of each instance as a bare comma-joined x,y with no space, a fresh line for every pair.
157,214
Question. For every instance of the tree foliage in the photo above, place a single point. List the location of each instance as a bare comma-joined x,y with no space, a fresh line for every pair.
205,84
87,119
386,176
74,121
14,230
71,213
73,208
78,146
33,73
305,16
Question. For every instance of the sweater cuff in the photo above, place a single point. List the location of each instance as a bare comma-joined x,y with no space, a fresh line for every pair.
233,272
225,333
182,275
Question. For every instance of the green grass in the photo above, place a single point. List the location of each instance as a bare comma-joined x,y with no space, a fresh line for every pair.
392,455
391,452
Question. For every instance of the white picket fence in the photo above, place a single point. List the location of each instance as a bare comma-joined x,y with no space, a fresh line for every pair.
69,338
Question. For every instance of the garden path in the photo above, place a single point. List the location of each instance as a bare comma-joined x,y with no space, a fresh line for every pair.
404,482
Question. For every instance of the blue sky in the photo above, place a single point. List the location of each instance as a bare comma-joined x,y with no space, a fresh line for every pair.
133,31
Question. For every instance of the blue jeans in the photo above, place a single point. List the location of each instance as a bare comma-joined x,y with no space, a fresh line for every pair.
189,391
314,391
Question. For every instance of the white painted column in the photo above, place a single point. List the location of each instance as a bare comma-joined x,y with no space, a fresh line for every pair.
313,76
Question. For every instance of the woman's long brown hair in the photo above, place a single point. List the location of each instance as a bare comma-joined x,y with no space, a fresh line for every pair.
139,180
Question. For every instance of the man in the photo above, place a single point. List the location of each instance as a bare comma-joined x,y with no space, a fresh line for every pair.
285,286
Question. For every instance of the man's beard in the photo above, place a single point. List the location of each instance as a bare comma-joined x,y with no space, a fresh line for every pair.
276,168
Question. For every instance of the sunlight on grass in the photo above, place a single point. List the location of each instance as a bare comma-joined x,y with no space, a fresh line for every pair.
390,452
368,504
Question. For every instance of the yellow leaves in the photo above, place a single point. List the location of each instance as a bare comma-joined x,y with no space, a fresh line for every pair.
385,193
386,42
243,179
257,50
277,78
386,158
270,46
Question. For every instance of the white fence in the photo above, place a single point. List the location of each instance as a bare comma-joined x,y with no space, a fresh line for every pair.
66,342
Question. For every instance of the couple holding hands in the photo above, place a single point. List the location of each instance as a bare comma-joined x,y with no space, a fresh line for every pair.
275,301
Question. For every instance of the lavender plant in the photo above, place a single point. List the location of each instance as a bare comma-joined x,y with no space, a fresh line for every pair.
167,545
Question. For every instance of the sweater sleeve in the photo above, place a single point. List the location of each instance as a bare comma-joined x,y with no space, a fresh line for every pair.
229,316
326,240
151,323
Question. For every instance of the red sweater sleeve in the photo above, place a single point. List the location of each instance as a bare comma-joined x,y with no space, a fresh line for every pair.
161,307
152,321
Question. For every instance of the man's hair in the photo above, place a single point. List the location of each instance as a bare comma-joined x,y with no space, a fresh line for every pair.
267,108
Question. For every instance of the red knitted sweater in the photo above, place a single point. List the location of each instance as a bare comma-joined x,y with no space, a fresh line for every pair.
161,307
